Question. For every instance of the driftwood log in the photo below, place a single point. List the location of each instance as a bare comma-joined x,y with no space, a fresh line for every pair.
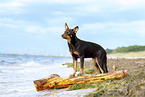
56,82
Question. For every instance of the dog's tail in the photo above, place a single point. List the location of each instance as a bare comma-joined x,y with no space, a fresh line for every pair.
104,67
103,63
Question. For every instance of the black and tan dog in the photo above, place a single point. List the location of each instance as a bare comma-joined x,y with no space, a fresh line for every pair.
83,49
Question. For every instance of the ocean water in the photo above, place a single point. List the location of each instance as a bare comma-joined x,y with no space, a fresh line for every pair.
18,72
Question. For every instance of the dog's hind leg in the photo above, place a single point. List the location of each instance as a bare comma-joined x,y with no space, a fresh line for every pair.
95,65
99,65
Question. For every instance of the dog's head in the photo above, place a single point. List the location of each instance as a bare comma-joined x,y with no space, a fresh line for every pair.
69,33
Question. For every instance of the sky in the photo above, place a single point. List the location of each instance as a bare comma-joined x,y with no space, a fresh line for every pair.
35,26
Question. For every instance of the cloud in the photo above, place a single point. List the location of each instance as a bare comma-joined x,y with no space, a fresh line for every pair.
60,20
133,4
80,7
11,8
31,27
11,23
11,4
133,27
35,29
88,8
55,1
138,27
57,13
109,6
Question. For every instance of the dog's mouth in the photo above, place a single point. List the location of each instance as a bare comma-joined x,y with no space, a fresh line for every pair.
64,36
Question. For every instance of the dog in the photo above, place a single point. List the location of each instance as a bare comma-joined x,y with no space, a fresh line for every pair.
83,49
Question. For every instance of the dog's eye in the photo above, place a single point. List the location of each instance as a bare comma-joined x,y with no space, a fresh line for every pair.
68,33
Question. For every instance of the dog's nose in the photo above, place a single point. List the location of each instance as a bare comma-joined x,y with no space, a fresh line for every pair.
62,35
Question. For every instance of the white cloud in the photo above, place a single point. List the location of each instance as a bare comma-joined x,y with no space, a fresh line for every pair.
128,4
11,8
11,4
30,27
57,13
60,20
100,6
138,26
43,30
8,25
85,6
35,29
133,27
125,3
56,1
11,23
85,9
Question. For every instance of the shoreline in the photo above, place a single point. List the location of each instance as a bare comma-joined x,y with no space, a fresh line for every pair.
73,93
36,55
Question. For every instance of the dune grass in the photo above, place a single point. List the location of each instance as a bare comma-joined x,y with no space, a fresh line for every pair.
129,54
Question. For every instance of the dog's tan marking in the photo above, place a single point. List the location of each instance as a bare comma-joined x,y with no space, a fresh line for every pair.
70,52
68,39
81,71
75,52
75,67
94,63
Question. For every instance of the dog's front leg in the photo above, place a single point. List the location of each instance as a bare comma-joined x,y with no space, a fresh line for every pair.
74,66
81,66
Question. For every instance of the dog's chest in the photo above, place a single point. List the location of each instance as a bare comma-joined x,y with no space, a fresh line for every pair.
74,53
73,50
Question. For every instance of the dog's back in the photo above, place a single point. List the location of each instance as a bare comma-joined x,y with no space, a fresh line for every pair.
88,49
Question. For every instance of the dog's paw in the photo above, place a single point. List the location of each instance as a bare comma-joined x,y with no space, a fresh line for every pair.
72,75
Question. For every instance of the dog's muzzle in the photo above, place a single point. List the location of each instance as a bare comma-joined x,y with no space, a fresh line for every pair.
64,36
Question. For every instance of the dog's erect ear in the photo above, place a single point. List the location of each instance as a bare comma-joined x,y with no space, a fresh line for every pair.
76,29
66,26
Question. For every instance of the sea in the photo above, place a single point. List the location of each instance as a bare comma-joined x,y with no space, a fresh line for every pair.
17,73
